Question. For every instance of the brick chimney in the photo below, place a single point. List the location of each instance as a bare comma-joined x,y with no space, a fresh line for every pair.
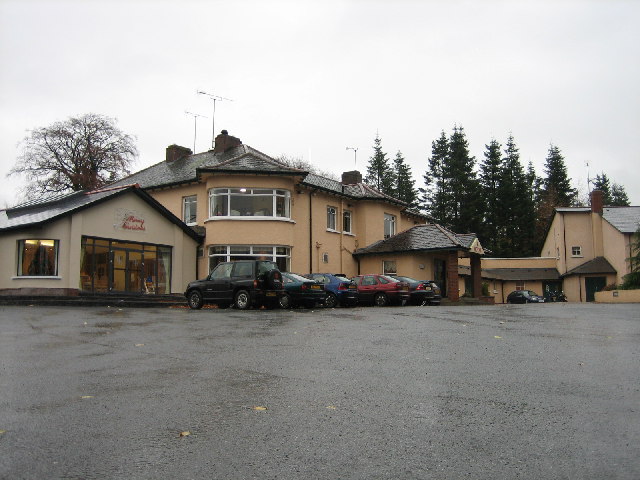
352,177
596,201
224,142
176,152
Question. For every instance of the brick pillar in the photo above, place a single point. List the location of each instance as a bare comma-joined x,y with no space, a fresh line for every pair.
476,275
452,276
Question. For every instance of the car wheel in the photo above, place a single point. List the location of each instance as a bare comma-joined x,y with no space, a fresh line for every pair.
285,301
242,300
380,300
195,300
331,300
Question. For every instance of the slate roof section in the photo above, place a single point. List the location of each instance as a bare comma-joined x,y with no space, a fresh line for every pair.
428,237
244,159
240,159
36,213
624,219
597,265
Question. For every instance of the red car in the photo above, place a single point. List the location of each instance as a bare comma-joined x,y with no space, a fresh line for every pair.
381,290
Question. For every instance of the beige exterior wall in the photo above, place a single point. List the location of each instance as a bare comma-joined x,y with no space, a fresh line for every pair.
571,229
618,296
100,220
617,249
314,248
420,266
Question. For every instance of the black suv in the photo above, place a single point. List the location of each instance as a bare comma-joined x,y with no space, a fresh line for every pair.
243,283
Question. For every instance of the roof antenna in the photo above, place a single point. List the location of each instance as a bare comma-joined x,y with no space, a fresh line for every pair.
195,129
589,181
213,121
355,154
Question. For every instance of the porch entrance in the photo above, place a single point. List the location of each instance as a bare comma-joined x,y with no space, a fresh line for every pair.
593,285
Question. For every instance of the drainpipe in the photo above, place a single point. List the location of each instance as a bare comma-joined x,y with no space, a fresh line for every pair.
311,230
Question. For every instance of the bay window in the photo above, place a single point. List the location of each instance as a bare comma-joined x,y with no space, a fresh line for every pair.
249,202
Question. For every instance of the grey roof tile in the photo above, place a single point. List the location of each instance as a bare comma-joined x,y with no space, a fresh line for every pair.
418,238
597,265
624,219
36,213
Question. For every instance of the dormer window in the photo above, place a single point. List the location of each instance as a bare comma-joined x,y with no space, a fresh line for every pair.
576,251
249,202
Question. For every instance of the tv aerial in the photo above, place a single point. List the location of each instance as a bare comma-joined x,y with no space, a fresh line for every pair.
355,154
215,98
195,126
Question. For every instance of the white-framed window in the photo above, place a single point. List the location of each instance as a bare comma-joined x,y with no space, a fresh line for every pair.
346,221
389,267
389,225
279,254
332,214
249,202
520,285
189,207
576,251
38,258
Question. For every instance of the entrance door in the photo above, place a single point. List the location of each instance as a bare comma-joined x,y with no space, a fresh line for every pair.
593,285
127,271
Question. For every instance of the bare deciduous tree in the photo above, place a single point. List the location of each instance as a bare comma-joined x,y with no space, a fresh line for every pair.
81,153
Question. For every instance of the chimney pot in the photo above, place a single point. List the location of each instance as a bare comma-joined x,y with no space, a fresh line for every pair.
176,152
351,178
224,142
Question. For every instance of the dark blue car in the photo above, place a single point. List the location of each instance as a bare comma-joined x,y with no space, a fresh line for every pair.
339,289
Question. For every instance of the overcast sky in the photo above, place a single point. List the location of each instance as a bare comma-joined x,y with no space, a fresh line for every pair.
309,78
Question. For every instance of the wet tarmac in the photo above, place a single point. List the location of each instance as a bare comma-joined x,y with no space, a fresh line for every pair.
482,392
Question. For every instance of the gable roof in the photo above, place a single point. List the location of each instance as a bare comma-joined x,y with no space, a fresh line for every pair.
428,237
40,212
624,219
597,265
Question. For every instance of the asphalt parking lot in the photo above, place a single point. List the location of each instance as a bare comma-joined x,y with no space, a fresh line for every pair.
480,392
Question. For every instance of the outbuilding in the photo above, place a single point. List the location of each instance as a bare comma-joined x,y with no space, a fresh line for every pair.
117,240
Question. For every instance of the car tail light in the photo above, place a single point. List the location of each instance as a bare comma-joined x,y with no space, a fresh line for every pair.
420,286
343,286
255,284
304,286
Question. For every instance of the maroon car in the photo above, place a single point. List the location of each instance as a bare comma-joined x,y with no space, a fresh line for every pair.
381,290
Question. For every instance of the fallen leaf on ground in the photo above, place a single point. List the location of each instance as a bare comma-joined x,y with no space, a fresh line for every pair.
86,396
139,344
331,407
497,336
259,408
185,434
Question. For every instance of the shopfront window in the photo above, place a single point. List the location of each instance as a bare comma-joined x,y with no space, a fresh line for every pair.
110,266
249,202
38,258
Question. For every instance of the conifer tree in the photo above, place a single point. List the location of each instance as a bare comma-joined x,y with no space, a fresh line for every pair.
557,184
556,192
435,194
379,173
405,184
464,207
518,209
490,176
619,196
